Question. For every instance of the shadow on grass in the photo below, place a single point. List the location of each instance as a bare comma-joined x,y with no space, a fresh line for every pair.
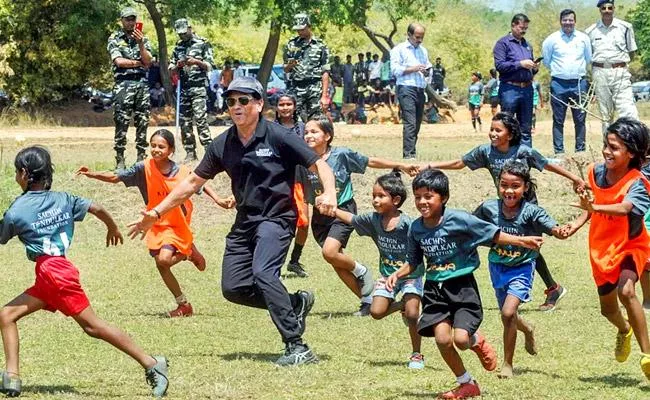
261,357
413,395
617,379
524,370
50,389
332,314
400,364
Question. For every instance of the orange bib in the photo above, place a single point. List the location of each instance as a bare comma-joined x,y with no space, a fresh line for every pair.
173,228
609,241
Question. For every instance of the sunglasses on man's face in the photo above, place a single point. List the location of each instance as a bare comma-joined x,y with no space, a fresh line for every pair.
606,8
243,100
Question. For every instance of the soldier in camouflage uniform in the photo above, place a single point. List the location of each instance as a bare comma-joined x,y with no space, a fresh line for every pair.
306,59
192,59
130,54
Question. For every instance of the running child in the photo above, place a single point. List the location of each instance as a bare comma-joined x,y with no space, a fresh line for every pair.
505,144
44,222
170,241
286,114
475,97
330,234
511,268
644,280
619,244
451,304
388,227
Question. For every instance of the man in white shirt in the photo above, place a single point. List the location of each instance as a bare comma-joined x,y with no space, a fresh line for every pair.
567,53
409,63
612,43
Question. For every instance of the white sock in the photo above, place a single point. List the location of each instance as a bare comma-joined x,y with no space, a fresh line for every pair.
181,299
464,378
367,299
359,269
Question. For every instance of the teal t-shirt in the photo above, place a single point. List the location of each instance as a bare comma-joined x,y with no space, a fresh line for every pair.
535,93
486,156
450,248
475,93
43,221
531,220
344,162
384,73
391,244
493,87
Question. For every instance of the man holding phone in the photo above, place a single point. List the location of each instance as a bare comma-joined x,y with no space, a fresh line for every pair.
192,59
513,58
130,54
567,53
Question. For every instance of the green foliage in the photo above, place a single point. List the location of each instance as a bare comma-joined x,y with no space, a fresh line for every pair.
640,18
55,46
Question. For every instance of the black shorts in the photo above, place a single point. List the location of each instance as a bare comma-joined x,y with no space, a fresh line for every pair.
456,300
323,226
473,107
494,101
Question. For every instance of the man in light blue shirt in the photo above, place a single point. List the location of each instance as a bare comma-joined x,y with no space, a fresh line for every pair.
409,63
567,53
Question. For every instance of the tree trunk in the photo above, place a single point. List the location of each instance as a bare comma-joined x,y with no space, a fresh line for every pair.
163,58
269,55
374,39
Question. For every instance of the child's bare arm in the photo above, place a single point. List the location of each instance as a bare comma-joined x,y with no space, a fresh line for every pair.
113,235
530,242
344,216
227,203
578,184
571,228
105,176
452,164
382,163
403,271
618,209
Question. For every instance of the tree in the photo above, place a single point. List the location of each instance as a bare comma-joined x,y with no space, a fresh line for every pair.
640,18
52,47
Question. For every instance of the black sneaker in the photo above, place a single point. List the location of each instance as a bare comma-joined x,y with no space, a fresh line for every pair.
298,269
553,296
364,310
296,354
141,157
190,157
303,308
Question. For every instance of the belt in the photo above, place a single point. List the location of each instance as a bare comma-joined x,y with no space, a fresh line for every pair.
130,77
568,80
609,65
520,84
305,82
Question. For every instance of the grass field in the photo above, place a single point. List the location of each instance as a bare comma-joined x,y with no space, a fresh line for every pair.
226,351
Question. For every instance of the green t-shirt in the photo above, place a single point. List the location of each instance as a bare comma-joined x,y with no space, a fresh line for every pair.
344,162
391,244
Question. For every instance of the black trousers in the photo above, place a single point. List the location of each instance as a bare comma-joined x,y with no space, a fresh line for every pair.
411,105
251,273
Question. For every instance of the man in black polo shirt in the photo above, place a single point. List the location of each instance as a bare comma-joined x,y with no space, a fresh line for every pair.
261,159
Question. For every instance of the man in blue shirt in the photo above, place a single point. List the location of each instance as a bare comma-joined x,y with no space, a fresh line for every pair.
567,53
513,58
409,63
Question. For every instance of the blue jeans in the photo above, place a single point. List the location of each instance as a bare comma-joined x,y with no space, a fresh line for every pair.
567,91
519,101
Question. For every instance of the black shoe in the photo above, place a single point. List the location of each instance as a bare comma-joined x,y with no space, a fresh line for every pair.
120,162
298,269
141,157
296,354
307,300
191,156
364,310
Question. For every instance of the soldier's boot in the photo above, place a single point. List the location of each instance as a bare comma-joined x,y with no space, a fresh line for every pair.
190,156
141,156
120,161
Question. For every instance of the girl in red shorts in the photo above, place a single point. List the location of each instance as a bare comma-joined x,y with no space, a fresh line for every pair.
619,244
44,222
170,241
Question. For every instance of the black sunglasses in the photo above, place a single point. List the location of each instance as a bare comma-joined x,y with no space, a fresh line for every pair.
243,100
606,8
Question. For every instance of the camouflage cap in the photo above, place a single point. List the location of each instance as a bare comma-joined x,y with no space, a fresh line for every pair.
301,21
181,25
128,12
245,84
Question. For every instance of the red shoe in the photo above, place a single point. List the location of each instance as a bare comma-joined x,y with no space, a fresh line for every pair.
183,310
464,391
485,353
197,258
